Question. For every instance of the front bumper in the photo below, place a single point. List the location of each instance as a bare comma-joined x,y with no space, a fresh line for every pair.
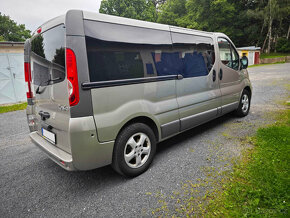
59,156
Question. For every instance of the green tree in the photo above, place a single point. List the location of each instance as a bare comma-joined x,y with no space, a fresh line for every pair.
11,31
136,9
173,12
272,18
246,22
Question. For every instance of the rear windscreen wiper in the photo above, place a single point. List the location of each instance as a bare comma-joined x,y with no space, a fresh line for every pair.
48,83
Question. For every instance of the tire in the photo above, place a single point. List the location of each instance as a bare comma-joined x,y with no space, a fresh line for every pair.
131,157
244,105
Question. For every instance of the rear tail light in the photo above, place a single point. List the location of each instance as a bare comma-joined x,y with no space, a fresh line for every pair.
72,77
27,71
38,30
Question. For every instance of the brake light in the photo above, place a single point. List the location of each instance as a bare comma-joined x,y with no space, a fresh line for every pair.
38,30
72,77
27,72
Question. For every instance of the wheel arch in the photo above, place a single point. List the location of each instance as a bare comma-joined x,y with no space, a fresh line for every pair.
248,88
146,120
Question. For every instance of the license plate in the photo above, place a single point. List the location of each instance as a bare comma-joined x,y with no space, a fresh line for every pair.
49,136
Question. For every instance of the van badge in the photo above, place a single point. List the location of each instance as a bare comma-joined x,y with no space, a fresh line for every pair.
63,107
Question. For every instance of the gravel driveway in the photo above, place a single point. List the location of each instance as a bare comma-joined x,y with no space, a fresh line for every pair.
33,185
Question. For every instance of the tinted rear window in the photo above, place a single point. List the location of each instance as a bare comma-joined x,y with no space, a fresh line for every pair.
48,52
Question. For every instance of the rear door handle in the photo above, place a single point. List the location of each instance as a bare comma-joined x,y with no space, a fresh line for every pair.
221,74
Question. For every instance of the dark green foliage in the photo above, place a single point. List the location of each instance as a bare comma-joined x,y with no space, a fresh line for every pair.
173,12
11,31
283,45
246,22
136,9
59,57
37,46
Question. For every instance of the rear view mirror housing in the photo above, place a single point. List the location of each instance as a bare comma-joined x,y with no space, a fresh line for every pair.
244,62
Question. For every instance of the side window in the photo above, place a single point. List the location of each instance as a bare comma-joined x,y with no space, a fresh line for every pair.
228,54
167,62
193,55
116,61
197,59
115,65
235,61
110,62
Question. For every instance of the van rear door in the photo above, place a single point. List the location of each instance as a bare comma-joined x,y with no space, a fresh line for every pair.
50,86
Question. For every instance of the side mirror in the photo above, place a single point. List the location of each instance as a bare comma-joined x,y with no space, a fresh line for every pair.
244,62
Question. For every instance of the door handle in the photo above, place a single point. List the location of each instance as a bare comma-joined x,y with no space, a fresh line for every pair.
221,74
213,75
179,76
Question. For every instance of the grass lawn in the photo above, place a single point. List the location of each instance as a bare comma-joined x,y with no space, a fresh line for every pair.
257,65
14,107
257,185
274,55
260,183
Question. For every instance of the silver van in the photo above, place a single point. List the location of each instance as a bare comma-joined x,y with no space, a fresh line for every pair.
105,90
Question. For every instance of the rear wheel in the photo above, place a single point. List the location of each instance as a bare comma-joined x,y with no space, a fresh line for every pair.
134,150
244,105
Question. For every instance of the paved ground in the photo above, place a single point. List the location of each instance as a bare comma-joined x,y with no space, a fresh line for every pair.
32,185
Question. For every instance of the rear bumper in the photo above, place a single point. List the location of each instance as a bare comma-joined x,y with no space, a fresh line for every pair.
86,151
59,156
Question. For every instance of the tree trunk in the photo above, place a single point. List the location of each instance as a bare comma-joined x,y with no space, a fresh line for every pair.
270,36
270,28
288,32
264,44
258,42
276,40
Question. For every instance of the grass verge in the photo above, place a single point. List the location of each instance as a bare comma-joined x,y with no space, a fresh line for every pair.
259,184
258,65
14,107
274,55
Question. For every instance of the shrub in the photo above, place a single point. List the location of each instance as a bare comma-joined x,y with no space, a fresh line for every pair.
283,45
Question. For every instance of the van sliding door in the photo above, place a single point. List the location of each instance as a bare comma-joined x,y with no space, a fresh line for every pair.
198,93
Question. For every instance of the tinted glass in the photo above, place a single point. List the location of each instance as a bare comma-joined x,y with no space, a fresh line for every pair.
228,54
115,65
194,55
115,61
50,45
49,49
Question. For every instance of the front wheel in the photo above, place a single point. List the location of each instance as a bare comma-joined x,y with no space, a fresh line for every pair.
244,105
134,150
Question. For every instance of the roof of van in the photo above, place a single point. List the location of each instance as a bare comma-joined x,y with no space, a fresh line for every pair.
138,23
95,16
